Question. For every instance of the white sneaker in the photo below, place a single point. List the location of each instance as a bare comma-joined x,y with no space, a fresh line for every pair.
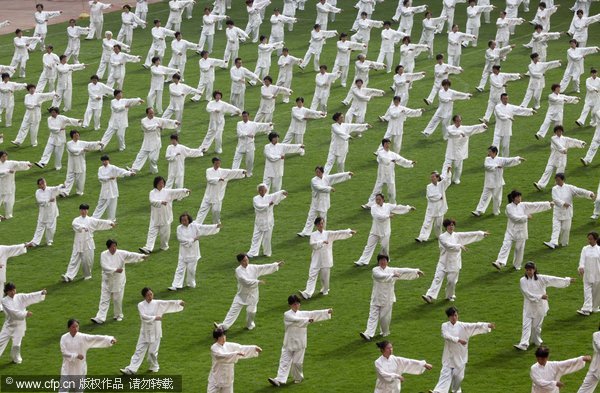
584,313
96,321
119,318
497,265
594,216
126,371
476,213
427,299
551,246
172,289
520,347
274,382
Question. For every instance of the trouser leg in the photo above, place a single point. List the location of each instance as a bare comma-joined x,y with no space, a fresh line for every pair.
590,382
518,255
138,356
232,314
117,298
152,356
325,275
374,312
100,208
151,239
385,318
257,237
546,176
179,274
190,279
451,281
504,251
444,381
587,296
369,249
313,273
436,284
426,227
104,304
310,221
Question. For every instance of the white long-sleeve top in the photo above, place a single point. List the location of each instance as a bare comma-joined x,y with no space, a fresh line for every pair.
450,248
300,116
7,92
76,155
46,201
264,53
589,260
274,164
296,323
516,227
505,115
317,39
7,179
118,61
323,82
402,82
455,41
533,290
323,10
9,252
503,27
556,104
84,228
119,111
474,14
429,27
73,33
321,189
96,93
215,187
150,327
396,116
207,67
65,74
575,58
163,214
107,176
73,346
389,38
246,131
437,204
594,368
234,36
263,210
540,41
209,21
177,92
15,310
559,146
387,160
286,68
361,97
129,19
21,45
41,20
248,280
381,225
238,79
443,71
56,126
580,26
50,61
33,103
341,133
364,29
362,68
344,50
498,83
545,378
176,155
322,253
384,281
455,354
562,195
494,170
224,357
189,244
389,371
277,22
107,48
457,147
268,95
159,34
176,8
447,97
96,14
217,111
592,87
151,129
113,281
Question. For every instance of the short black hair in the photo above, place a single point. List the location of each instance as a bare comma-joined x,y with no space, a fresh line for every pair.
84,206
293,299
451,311
542,352
110,242
240,257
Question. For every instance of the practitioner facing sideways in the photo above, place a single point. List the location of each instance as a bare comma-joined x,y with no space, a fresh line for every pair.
589,269
592,377
535,303
545,375
389,369
294,342
437,205
383,296
264,220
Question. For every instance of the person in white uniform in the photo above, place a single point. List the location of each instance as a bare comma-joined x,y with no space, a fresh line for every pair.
21,54
97,18
448,8
537,80
56,138
263,61
7,252
7,181
207,67
96,93
234,35
442,115
248,280
406,12
389,369
84,227
535,303
159,45
209,20
117,62
275,154
403,82
7,97
33,115
315,46
41,18
575,66
76,163
50,61
64,84
48,212
590,382
256,10
456,39
321,261
381,228
286,63
108,44
161,213
268,95
179,48
498,82
299,120
545,375
175,155
430,25
589,269
505,116
188,235
342,57
109,191
217,109
264,220
395,116
246,132
278,21
451,245
151,313
113,263
119,118
441,72
178,91
323,82
594,144
591,103
130,21
456,335
556,106
152,127
294,341
518,213
389,39
474,19
504,25
457,146
239,76
437,205
73,42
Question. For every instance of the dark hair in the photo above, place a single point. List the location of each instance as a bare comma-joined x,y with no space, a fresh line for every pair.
155,59
84,206
558,128
293,299
387,23
176,76
110,242
318,220
127,6
214,94
41,179
3,152
455,117
245,113
560,175
496,67
398,67
449,221
358,80
9,286
202,53
336,116
439,56
5,75
490,42
96,77
301,99
262,37
385,140
446,82
273,135
555,86
594,234
117,46
542,352
186,214
240,257
215,159
174,136
512,195
53,109
104,157
319,167
343,35
323,67
382,257
380,195
29,86
61,57
71,322
382,344
218,333
237,59
503,95
156,21
268,78
531,265
493,149
73,132
177,34
116,92
451,311
229,22
397,98
145,290
534,55
157,180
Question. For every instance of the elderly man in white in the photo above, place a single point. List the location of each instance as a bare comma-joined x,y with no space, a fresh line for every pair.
207,67
161,213
442,115
97,19
575,59
84,227
188,235
592,99
217,109
48,212
33,115
315,46
545,375
246,131
96,93
117,63
108,44
383,296
275,154
57,138
455,356
263,62
264,221
505,116
381,228
119,118
456,39
109,191
50,61
151,315
248,279
556,106
294,341
562,214
76,164
224,357
209,20
321,261
537,80
152,127
457,147
386,174
175,155
493,182
7,97
437,205
321,189
498,81
268,95
15,309
441,72
451,245
113,263
64,84
7,252
238,75
216,184
559,148
402,82
298,121
323,82
7,181
177,92
395,116
159,45
341,132
360,97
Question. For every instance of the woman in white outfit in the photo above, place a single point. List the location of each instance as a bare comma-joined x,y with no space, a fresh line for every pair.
389,369
589,268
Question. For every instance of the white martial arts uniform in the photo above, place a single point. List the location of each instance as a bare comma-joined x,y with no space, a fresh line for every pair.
216,184
264,222
360,97
107,51
73,369
7,99
437,206
389,38
455,43
109,191
554,115
178,92
457,148
593,376
57,139
589,261
176,155
48,76
504,26
579,27
545,378
440,72
591,104
64,85
493,182
207,77
396,116
157,81
21,55
189,252
383,297
255,18
15,322
594,144
389,372
575,67
539,43
97,19
563,214
158,46
117,62
263,61
7,252
559,147
84,245
7,183
33,116
408,53
497,88
342,57
234,35
179,48
47,215
505,115
224,357
130,21
208,30
274,162
286,71
492,58
277,27
298,121
315,47
448,8
430,25
406,16
176,8
266,107
119,120
76,165
386,175
96,93
402,84
246,131
161,215
151,143
516,230
238,84
74,43
41,26
474,20
445,109
380,230
216,123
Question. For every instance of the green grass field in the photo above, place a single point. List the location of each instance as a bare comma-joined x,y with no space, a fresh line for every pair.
337,359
